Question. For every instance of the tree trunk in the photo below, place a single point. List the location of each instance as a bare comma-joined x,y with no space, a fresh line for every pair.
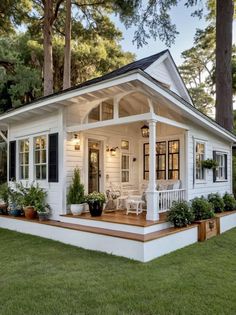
47,47
224,103
67,51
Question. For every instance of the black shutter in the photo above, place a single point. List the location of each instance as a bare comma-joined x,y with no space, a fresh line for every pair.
12,160
226,166
214,170
53,158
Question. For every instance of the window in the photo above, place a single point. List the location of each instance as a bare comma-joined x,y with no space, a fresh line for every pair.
173,159
125,168
124,145
24,159
40,157
220,173
199,157
104,111
160,160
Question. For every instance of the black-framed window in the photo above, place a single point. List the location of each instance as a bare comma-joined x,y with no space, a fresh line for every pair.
173,159
160,160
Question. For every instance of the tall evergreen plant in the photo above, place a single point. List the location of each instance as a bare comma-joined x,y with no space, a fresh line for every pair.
76,189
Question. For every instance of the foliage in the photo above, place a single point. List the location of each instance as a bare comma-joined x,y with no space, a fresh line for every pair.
33,196
180,214
95,197
202,209
15,199
230,202
217,202
4,193
234,175
209,163
76,189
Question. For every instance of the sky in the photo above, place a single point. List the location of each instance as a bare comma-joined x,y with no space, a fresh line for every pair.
186,26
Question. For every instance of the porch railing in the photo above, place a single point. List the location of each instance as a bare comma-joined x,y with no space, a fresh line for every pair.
167,197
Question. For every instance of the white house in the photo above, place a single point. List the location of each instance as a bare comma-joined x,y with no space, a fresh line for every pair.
97,127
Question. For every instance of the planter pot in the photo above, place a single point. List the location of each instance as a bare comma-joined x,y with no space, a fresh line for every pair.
208,228
77,209
96,208
3,209
30,213
43,216
15,212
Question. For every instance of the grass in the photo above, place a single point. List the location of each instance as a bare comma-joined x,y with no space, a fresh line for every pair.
39,276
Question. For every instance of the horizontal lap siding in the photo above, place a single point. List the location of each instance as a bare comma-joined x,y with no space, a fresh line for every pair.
49,123
212,143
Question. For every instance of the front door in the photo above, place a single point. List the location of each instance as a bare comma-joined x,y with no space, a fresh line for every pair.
93,171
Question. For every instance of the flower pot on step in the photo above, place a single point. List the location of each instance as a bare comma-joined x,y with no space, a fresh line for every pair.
30,213
95,208
77,209
43,216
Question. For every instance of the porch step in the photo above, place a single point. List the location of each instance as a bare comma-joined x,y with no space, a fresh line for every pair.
121,223
102,231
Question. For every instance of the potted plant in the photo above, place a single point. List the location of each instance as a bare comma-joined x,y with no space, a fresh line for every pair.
14,206
43,212
95,201
230,202
217,202
205,218
4,196
209,164
75,196
180,214
30,197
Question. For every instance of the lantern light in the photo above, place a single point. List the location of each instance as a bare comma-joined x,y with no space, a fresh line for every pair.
145,131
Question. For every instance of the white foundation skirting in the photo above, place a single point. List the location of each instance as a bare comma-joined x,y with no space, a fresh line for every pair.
140,251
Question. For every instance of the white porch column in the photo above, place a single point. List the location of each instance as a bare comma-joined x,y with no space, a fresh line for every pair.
151,193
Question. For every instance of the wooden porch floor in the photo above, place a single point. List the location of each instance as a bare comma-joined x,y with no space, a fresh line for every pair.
120,217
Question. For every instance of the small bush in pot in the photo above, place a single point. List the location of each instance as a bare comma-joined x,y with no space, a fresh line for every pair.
230,202
180,214
217,202
43,211
31,197
4,197
202,209
209,164
75,197
95,201
14,206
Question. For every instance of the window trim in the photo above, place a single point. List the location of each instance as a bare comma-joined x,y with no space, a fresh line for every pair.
174,170
124,169
224,154
204,180
47,164
23,165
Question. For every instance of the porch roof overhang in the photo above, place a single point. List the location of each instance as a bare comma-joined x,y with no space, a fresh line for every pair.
104,88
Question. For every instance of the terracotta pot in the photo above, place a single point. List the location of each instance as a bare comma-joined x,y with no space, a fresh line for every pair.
30,213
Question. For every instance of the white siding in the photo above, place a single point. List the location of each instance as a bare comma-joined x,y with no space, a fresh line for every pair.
41,125
212,143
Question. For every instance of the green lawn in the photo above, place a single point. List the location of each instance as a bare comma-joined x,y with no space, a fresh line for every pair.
39,276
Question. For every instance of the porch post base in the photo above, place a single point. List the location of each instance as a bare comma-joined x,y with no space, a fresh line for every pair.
152,205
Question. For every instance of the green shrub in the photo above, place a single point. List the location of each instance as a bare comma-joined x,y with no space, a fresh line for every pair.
180,214
95,197
217,202
202,209
32,195
230,202
4,193
76,190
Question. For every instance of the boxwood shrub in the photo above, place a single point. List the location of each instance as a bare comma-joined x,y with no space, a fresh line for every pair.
180,214
230,202
202,209
217,202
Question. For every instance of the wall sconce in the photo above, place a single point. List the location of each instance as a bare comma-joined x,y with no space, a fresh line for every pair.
76,141
145,131
112,150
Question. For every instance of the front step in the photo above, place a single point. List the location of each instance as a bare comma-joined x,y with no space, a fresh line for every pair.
115,226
